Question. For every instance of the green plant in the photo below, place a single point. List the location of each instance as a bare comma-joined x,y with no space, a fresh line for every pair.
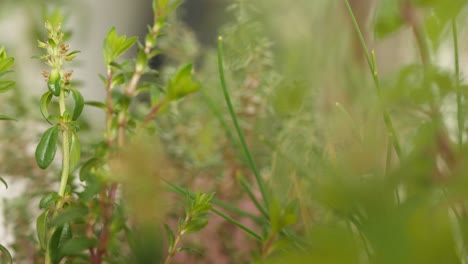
285,126
5,64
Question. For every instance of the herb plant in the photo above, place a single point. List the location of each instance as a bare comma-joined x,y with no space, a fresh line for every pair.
277,146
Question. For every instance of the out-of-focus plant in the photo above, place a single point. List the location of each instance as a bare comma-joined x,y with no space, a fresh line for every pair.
5,65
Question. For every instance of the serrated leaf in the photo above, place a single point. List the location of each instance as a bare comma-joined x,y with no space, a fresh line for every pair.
41,228
182,84
48,200
79,104
44,105
45,151
6,86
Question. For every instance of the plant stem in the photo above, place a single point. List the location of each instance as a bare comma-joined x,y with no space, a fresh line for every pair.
460,118
65,168
373,68
109,106
252,164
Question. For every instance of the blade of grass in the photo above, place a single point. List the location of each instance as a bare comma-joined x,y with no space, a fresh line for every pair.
373,68
252,164
236,223
460,119
248,189
220,118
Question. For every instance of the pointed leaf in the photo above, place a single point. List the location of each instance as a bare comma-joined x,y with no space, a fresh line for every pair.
96,104
182,84
4,182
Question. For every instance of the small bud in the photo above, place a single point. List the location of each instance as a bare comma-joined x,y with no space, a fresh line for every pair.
41,44
46,75
68,76
64,48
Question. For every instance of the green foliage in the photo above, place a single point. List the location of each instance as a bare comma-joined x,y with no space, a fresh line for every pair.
115,46
182,84
47,147
322,162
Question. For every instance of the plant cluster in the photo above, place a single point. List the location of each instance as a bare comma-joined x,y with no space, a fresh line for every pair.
265,172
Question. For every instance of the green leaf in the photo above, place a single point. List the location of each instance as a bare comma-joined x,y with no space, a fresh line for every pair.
54,244
7,254
72,55
45,151
93,187
54,82
48,200
388,18
114,46
92,168
170,236
7,118
6,63
77,245
69,215
4,182
41,227
174,5
79,104
6,86
195,225
182,84
59,237
190,250
75,150
44,105
96,104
